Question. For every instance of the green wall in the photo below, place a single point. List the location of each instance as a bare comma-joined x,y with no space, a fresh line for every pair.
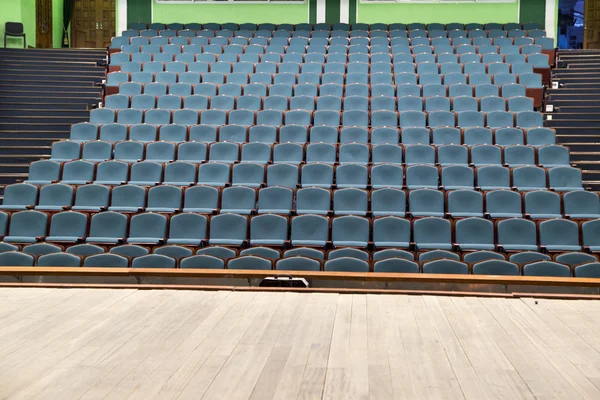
138,11
533,11
24,11
10,11
57,21
443,13
332,11
258,13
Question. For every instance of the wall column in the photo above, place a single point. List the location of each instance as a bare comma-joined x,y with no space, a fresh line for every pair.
121,16
321,11
551,19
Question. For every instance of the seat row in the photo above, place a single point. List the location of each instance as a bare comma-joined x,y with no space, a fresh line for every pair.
232,26
343,264
528,49
131,251
186,62
360,118
311,200
349,151
195,54
177,100
395,46
318,68
326,34
440,40
220,174
308,230
506,90
83,132
380,78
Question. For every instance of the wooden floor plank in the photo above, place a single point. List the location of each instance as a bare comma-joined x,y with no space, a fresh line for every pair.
551,345
380,376
315,371
498,376
166,344
585,357
515,348
466,375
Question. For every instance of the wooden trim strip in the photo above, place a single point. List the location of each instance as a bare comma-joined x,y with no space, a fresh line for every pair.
318,275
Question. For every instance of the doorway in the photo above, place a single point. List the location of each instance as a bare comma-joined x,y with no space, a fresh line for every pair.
93,23
570,24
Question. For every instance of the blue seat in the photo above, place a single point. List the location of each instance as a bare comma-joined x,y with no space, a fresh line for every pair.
91,198
432,233
83,132
546,268
352,175
422,176
581,204
19,196
491,177
268,230
347,264
238,200
419,154
214,174
486,154
503,204
415,135
228,229
474,234
445,266
153,261
55,197
128,198
518,155
187,229
563,179
107,227
452,154
388,201
16,259
517,234
310,230
465,203
132,151
508,136
528,178
275,200
387,153
68,227
496,267
164,199
542,204
201,199
78,172
146,173
202,261
426,203
559,235
588,270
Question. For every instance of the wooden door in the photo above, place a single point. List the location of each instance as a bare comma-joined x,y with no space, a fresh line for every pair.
43,23
93,23
591,27
107,17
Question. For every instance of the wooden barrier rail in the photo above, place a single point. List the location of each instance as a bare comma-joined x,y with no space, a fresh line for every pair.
310,275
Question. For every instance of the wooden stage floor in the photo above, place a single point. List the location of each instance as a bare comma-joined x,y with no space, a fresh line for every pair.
163,344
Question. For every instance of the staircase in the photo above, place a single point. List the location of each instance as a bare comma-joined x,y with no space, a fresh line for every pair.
42,93
576,114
